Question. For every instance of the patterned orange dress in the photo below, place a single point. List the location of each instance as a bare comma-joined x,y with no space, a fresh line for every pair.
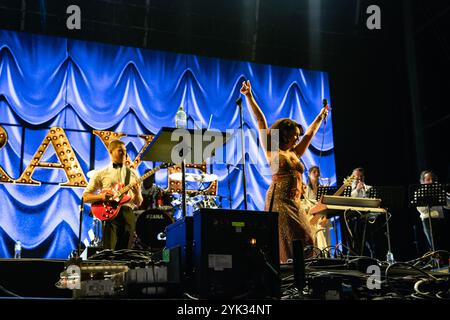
293,224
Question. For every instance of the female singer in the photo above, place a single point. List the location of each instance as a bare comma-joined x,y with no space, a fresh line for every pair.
286,187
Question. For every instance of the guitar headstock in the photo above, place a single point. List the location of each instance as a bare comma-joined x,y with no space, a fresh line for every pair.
349,180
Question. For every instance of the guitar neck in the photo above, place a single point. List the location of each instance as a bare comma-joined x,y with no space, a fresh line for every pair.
340,190
347,183
145,176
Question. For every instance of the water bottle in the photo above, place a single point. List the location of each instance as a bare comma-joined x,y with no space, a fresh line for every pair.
17,250
390,258
180,118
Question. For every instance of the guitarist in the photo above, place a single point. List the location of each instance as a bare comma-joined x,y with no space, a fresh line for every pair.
117,233
358,223
322,227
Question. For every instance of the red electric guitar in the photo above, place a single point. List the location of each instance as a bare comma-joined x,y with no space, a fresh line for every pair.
109,209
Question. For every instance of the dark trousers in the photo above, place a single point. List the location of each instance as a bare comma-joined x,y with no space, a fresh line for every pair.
119,232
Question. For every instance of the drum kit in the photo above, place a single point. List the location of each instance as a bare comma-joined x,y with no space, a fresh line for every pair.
161,208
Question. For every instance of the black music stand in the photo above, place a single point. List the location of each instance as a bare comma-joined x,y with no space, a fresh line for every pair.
184,146
325,190
392,197
329,190
428,195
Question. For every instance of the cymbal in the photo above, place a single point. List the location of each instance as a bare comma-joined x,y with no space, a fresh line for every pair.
205,177
177,177
194,177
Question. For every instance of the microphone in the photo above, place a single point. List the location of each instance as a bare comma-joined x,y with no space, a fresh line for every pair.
325,105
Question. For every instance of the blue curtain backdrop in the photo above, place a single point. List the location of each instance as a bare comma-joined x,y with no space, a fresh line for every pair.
84,86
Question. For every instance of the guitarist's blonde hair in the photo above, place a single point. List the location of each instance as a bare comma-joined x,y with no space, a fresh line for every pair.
114,144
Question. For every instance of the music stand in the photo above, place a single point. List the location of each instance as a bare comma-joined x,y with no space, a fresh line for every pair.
391,197
428,195
329,190
325,190
184,146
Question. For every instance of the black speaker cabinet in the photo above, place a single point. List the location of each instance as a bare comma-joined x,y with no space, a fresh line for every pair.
179,242
235,254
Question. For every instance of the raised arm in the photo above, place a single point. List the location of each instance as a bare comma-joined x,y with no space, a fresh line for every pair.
246,90
301,147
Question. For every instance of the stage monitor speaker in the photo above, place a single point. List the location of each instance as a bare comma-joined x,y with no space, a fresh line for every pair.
179,242
235,254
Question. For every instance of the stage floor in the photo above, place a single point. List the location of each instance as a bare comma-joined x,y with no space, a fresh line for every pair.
322,279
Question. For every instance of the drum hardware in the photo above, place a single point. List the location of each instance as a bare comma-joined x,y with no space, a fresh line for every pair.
160,206
161,236
157,198
195,202
194,177
150,229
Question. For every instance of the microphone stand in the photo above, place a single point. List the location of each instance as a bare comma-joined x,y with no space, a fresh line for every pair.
80,228
183,187
325,103
239,103
229,187
435,261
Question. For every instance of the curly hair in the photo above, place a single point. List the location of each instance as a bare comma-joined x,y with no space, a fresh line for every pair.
286,129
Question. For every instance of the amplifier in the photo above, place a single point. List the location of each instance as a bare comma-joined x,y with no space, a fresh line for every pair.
152,280
179,247
236,254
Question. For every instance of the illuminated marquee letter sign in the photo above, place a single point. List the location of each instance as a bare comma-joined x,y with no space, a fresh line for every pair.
68,160
107,136
4,178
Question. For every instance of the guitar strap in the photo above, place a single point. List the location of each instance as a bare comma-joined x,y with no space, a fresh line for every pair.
127,177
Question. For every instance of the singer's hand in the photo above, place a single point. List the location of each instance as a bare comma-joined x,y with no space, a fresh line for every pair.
246,88
324,112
